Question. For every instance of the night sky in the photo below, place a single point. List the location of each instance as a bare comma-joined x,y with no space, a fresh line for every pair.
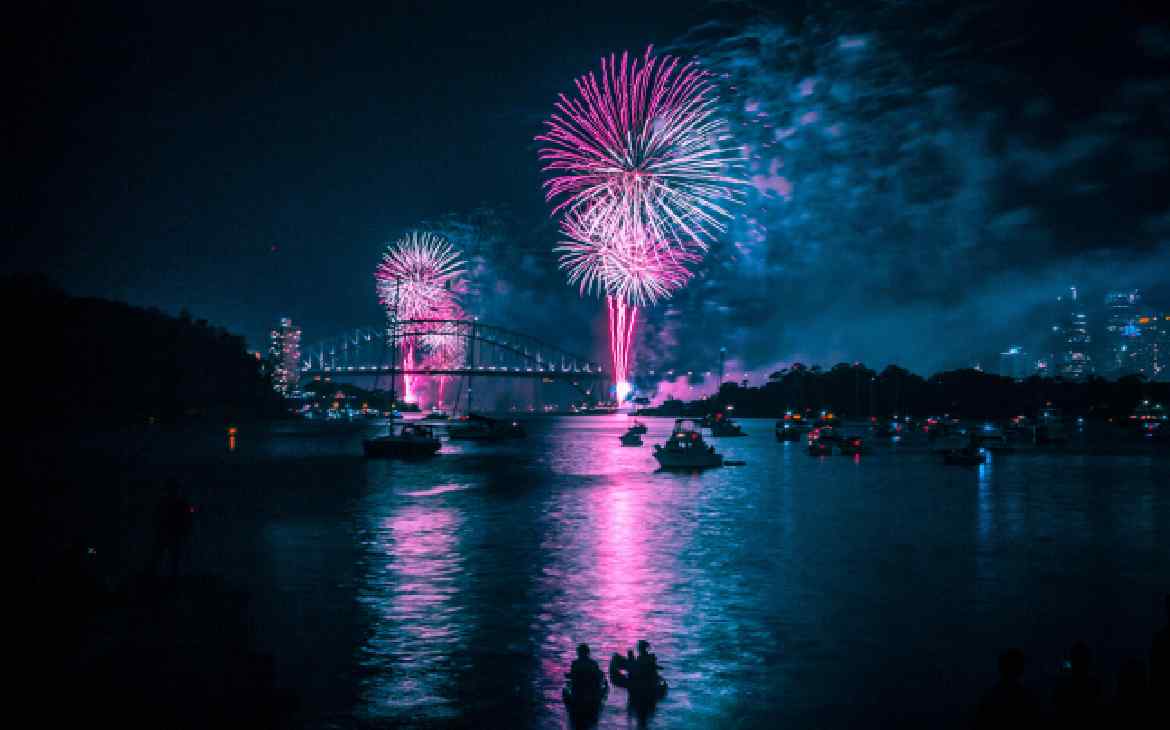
924,178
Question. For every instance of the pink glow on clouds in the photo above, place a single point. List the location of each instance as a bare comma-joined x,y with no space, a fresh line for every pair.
773,184
751,106
808,86
809,117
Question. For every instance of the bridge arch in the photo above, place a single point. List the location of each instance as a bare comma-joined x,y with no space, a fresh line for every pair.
489,350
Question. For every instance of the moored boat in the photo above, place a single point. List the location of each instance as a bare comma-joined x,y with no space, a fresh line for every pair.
409,441
631,438
723,426
966,456
475,427
791,428
851,445
686,449
821,440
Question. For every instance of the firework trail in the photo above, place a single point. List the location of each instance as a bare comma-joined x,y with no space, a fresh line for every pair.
641,179
419,277
444,349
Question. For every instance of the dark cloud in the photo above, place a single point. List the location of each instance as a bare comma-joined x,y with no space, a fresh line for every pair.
916,198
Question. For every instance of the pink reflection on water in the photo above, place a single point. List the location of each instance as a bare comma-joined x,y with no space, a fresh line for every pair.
613,576
417,626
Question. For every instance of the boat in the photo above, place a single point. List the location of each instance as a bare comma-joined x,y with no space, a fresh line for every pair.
966,456
851,445
889,429
411,440
1149,418
791,428
638,427
947,436
991,437
686,449
821,440
474,427
437,415
1050,427
631,438
786,431
723,426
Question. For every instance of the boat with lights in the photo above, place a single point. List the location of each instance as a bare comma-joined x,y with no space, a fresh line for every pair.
686,449
410,440
474,427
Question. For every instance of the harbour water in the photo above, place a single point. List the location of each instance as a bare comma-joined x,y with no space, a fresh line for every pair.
790,591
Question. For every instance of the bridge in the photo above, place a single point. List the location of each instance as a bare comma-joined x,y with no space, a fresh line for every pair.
480,349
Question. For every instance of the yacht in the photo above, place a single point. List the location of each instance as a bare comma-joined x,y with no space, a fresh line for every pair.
722,425
411,440
686,449
638,427
631,438
474,427
820,441
791,428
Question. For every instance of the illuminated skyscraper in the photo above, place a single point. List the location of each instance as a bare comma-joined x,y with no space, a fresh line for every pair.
1151,346
1119,352
284,356
1073,339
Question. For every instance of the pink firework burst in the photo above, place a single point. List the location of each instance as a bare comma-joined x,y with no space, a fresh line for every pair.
606,254
644,138
419,276
643,180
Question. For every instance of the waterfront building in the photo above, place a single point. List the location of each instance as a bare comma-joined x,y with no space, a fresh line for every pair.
284,356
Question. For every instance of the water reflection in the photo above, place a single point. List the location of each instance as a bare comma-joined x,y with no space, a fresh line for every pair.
415,576
613,575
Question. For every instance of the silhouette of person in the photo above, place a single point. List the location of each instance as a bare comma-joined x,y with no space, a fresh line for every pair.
1077,698
584,672
1130,705
1160,659
173,521
645,668
1008,704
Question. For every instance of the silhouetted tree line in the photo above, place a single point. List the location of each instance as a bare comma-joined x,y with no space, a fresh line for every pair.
856,391
84,359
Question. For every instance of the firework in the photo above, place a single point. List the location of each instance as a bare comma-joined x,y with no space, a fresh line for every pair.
607,257
420,277
645,141
642,181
